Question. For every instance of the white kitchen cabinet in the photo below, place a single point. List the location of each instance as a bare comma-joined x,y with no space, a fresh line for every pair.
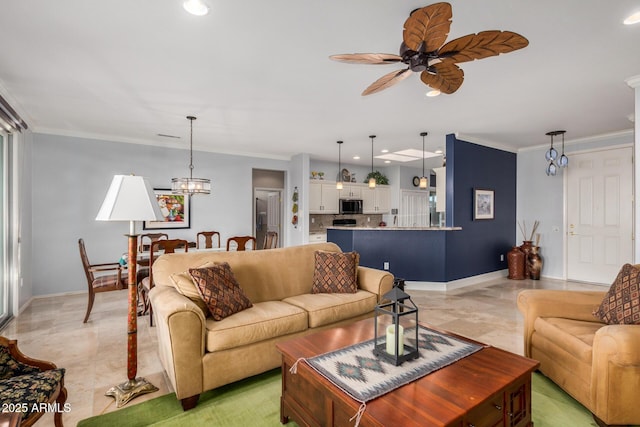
323,198
351,191
376,200
317,237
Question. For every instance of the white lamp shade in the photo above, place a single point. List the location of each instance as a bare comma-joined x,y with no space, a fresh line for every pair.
130,198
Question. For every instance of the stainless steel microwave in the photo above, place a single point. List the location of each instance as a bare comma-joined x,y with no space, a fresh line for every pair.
350,206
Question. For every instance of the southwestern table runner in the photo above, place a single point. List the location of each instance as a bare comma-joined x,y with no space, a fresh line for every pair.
363,376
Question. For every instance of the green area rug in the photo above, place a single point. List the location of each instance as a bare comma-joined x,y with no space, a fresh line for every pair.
256,402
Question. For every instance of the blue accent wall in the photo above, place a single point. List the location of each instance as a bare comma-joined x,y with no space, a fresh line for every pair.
448,255
476,249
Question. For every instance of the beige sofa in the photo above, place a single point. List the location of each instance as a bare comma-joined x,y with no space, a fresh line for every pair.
200,354
597,364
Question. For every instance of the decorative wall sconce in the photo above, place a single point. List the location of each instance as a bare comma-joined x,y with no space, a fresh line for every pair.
552,154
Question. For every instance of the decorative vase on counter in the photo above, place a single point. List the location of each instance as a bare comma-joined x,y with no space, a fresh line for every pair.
526,249
516,263
534,262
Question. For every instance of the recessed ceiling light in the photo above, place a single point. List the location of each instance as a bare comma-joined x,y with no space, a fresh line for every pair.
387,161
356,157
384,151
632,19
433,93
438,151
196,7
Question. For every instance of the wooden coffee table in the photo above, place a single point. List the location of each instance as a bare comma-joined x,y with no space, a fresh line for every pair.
491,387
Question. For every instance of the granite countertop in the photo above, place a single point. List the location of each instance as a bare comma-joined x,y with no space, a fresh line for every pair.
398,228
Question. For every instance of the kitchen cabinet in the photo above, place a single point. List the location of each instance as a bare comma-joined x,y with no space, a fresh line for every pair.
376,200
351,191
323,198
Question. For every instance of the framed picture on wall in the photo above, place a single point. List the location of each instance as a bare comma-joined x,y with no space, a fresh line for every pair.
483,204
175,209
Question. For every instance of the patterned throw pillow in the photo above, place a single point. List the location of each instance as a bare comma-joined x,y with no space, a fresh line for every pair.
335,272
621,305
220,290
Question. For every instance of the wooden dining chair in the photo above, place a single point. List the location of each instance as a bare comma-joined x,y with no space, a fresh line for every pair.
101,277
270,240
241,242
208,239
151,237
167,246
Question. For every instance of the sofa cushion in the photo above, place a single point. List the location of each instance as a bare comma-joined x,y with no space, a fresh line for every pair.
621,305
324,309
263,321
335,272
184,284
575,336
220,290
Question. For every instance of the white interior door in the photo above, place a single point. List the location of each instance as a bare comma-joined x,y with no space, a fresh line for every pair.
273,212
599,214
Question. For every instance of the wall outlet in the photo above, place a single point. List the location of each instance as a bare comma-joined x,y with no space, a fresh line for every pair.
385,265
368,219
501,257
313,220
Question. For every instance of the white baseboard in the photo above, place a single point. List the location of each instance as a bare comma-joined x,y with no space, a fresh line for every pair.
454,284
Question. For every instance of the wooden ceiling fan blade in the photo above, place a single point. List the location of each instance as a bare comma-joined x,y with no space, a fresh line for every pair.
429,25
386,81
367,58
481,45
448,77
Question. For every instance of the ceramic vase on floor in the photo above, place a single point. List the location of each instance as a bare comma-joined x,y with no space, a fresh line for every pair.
526,249
534,263
516,263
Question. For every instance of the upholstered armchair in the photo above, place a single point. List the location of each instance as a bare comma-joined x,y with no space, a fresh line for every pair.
596,363
30,386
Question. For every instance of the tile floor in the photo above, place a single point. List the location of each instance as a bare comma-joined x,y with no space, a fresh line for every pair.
94,354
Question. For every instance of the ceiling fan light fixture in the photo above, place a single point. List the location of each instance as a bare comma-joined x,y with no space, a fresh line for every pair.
632,19
433,93
196,7
190,185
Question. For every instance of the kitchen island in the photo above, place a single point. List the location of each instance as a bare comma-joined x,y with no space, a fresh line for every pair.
416,254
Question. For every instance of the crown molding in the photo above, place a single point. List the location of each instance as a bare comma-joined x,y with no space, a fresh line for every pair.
594,138
634,81
165,143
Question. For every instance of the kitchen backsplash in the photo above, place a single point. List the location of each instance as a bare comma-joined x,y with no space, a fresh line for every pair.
319,222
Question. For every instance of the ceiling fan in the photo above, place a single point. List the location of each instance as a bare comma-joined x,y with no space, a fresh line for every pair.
424,51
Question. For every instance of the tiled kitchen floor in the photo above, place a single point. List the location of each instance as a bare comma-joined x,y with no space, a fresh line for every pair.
94,354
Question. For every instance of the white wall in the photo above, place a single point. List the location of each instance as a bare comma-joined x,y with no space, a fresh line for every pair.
70,177
541,197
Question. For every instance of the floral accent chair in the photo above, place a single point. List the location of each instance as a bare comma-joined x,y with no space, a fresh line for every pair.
29,386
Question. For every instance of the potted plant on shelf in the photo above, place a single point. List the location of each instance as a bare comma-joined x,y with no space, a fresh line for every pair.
380,178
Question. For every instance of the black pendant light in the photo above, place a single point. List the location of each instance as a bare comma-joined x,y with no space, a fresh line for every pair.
423,179
339,180
372,179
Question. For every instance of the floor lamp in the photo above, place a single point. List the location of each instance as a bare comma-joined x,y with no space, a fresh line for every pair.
130,198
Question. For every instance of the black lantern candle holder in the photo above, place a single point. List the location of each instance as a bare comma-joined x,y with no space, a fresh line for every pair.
398,316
